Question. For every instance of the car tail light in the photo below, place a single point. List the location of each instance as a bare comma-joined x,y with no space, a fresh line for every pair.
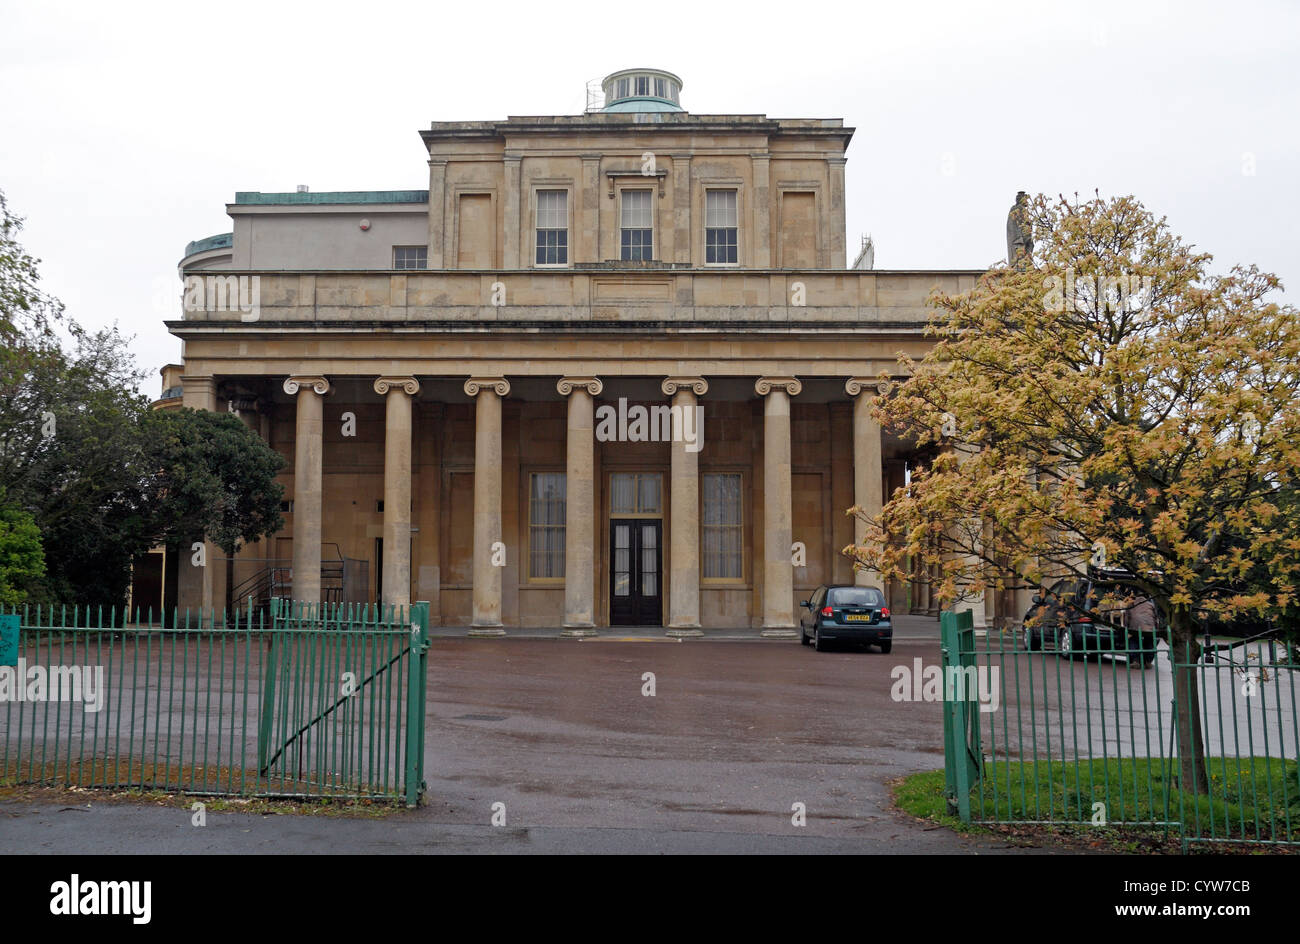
884,612
827,611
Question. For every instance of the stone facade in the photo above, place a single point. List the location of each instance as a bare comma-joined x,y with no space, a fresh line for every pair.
440,400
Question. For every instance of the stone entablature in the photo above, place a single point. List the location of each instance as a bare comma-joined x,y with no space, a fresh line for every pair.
607,296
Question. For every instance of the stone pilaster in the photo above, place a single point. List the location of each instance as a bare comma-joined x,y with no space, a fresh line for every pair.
515,205
684,513
195,584
580,506
835,247
761,245
778,571
488,542
437,213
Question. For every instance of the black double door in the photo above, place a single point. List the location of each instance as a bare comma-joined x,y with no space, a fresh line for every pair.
636,572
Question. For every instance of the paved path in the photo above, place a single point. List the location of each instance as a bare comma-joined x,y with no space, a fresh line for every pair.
560,733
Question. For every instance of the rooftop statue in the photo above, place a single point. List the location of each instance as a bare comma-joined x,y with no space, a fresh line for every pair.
1020,241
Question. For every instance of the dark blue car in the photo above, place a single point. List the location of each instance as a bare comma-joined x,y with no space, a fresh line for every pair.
846,613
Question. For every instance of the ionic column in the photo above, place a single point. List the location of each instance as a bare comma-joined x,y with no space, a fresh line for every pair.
397,392
778,571
868,487
488,543
580,506
310,392
684,509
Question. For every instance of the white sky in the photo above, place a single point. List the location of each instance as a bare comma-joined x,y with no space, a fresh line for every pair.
125,128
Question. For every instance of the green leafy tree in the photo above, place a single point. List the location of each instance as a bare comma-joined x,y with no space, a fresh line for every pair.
27,314
21,559
101,477
213,477
73,460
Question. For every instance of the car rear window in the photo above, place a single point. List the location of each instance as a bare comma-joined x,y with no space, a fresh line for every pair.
855,596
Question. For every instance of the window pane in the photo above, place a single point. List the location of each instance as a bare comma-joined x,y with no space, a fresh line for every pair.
856,596
552,209
410,257
546,517
636,209
720,208
721,525
622,560
720,221
648,498
622,499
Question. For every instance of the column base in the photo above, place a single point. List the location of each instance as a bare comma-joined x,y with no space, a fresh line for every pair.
485,631
779,632
684,632
579,631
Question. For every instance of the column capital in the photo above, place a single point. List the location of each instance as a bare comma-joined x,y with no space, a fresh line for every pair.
698,384
475,385
293,384
408,385
855,385
566,385
791,385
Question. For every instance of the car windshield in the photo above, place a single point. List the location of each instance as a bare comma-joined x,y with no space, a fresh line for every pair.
855,596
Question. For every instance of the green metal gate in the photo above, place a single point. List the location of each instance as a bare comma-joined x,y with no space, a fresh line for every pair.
1088,737
306,701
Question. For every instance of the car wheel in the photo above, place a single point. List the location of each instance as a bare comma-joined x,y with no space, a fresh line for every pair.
885,647
1027,638
818,643
1065,643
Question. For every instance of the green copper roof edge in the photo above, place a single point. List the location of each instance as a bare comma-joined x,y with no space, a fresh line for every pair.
219,241
646,98
255,198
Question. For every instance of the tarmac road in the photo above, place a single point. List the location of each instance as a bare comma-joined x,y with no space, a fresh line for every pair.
559,731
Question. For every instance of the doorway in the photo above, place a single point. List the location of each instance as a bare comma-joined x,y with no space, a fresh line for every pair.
636,572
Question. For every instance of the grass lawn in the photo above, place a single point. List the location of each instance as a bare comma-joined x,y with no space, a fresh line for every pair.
1250,799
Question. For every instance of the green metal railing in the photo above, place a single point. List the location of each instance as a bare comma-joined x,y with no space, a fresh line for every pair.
306,701
1090,737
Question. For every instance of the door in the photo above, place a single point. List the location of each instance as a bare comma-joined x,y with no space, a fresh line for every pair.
808,614
635,572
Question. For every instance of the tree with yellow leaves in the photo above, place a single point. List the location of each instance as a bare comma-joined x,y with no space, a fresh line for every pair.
1108,401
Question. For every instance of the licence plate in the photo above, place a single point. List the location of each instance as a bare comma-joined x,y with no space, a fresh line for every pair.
857,617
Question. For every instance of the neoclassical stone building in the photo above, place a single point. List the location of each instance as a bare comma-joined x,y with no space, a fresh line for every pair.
488,391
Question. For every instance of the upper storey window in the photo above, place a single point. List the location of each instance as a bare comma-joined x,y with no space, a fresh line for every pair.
636,227
720,227
552,227
410,257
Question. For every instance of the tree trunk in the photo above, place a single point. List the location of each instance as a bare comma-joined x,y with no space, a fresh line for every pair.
1186,656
